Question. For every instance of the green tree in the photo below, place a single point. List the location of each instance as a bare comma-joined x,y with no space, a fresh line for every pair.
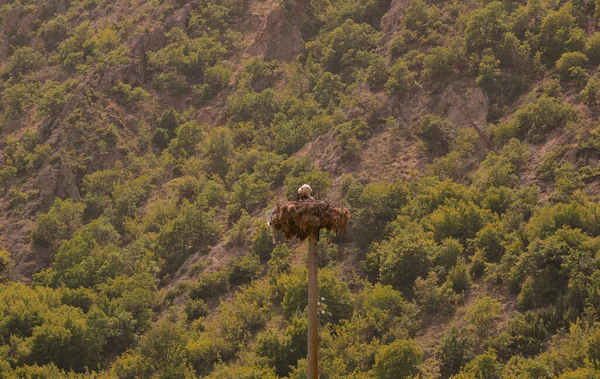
61,221
218,150
402,81
454,351
398,360
482,314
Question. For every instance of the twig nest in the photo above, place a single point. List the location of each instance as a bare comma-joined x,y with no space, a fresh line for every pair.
297,218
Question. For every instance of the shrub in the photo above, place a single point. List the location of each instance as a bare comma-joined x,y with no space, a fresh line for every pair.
438,66
437,132
336,298
485,27
568,62
459,277
128,94
195,308
54,31
559,33
190,57
398,360
215,79
61,221
260,108
488,71
591,93
448,253
345,49
397,46
403,258
244,270
53,97
489,241
349,134
454,351
217,149
210,285
319,182
6,262
432,298
194,230
262,243
537,119
23,61
482,314
402,80
592,48
461,221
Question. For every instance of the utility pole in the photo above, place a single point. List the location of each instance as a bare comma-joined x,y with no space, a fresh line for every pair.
313,311
304,219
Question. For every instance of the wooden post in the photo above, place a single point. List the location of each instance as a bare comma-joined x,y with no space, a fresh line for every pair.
313,310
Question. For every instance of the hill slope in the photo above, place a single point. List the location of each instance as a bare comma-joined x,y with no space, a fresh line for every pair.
141,142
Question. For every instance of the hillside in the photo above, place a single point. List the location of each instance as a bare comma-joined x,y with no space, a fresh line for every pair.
141,142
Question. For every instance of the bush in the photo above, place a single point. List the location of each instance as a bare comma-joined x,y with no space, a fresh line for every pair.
438,66
6,262
217,149
328,89
398,360
448,253
482,314
397,46
129,95
591,93
559,33
53,97
484,366
568,62
262,243
403,258
190,57
54,31
348,136
23,61
459,277
454,351
537,119
210,285
194,230
195,308
244,270
318,180
60,223
402,80
215,79
432,298
345,49
592,48
485,27
488,71
437,132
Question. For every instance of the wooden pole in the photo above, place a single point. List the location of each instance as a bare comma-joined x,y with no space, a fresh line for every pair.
313,311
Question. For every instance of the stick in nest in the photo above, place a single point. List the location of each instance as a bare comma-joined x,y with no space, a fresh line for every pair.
296,219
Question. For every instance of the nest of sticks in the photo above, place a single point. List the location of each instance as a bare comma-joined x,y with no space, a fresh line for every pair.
297,218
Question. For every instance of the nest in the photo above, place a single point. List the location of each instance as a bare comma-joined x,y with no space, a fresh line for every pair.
296,219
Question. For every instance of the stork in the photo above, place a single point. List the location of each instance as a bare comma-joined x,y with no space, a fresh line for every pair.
304,193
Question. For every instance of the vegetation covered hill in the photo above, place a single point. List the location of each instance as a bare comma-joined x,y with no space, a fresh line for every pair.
142,140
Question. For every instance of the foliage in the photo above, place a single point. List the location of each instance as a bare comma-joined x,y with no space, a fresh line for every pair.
400,359
454,351
402,81
482,313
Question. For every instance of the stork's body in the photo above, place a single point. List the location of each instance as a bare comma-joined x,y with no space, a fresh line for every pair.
304,192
